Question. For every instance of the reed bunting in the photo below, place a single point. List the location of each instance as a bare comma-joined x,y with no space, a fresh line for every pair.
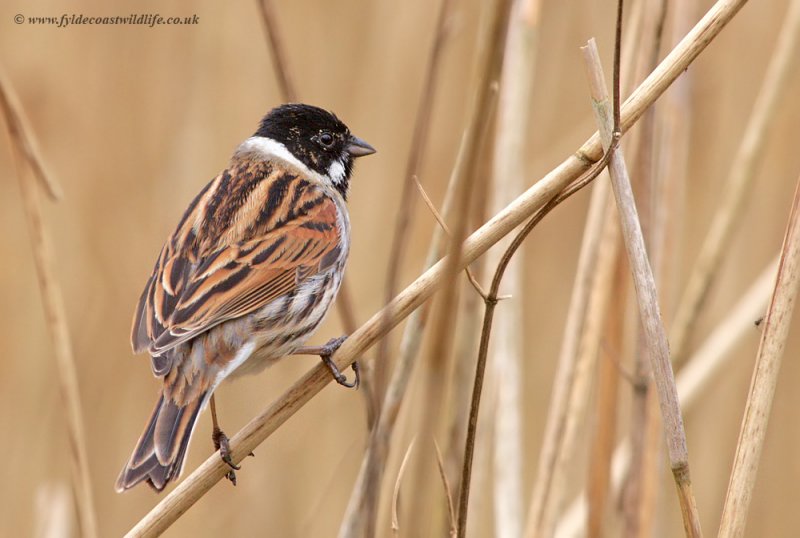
245,278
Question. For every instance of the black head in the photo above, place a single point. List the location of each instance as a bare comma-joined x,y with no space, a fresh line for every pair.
318,139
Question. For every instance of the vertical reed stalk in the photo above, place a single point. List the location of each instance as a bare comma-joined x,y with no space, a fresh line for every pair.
506,347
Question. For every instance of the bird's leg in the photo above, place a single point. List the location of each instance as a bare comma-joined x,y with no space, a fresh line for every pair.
221,443
325,352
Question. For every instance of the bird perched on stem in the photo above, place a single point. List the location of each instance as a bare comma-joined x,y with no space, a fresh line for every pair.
246,277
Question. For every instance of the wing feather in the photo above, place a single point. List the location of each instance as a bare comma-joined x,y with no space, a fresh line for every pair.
237,267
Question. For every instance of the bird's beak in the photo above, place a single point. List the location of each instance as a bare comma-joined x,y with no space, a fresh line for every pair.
358,147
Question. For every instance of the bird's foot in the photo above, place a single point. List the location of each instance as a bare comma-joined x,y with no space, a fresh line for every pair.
325,354
222,444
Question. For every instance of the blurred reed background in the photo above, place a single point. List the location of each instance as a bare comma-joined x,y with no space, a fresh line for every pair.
133,121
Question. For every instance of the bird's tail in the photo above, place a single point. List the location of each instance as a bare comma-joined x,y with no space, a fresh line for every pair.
159,454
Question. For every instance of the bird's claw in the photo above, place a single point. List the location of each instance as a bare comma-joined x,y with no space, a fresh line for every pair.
327,351
222,444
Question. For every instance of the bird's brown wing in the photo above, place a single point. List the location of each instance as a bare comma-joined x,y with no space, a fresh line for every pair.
191,291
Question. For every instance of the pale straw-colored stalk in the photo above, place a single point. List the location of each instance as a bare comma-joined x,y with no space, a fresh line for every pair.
506,346
638,502
765,377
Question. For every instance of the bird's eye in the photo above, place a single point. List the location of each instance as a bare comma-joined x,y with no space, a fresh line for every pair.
326,139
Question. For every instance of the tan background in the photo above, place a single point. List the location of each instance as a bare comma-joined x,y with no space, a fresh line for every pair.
134,120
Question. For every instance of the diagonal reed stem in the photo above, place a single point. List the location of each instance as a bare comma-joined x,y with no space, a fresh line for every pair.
765,377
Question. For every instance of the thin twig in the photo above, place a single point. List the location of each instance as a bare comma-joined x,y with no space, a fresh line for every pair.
491,303
440,220
23,149
742,174
765,377
396,490
459,380
647,298
260,427
451,513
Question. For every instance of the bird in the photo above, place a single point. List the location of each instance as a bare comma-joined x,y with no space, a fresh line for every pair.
246,277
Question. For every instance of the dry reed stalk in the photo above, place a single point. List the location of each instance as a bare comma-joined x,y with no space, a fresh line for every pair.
670,168
25,151
419,139
481,501
703,367
492,297
362,512
437,382
588,304
647,299
765,377
260,427
506,348
735,190
639,497
640,491
605,411
463,367
592,340
673,142
377,451
22,135
461,384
